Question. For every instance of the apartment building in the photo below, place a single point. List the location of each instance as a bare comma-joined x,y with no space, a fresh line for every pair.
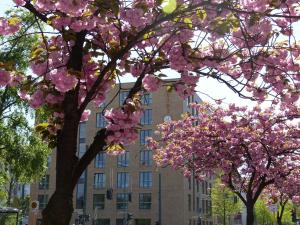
130,189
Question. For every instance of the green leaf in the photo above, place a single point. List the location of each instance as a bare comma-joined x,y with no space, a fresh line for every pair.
201,13
169,6
188,22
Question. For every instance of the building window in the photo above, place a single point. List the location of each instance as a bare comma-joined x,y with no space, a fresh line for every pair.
145,200
100,120
145,179
121,221
49,159
82,149
100,160
44,183
190,99
198,204
80,194
143,222
123,95
207,206
102,222
122,200
99,201
143,136
122,180
123,159
99,180
146,157
82,132
146,118
197,183
43,200
189,202
146,99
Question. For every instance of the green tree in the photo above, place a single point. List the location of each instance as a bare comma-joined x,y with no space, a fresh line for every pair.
224,203
263,214
23,155
15,51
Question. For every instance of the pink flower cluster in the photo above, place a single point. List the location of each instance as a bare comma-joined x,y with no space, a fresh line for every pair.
151,83
5,78
239,48
7,28
242,144
122,125
186,85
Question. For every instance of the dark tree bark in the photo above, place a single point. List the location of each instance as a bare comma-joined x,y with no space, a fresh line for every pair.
9,191
250,213
60,207
280,211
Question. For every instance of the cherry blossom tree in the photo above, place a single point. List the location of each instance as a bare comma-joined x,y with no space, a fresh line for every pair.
248,45
252,149
281,193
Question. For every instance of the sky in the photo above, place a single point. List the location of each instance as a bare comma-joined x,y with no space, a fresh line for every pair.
208,86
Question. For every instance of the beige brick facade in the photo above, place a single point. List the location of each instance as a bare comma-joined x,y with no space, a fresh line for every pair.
179,201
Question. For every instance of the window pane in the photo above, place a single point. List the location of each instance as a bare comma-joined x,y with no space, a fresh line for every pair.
82,149
121,221
123,95
146,99
99,180
80,196
122,180
145,179
99,201
100,160
143,222
100,120
44,183
43,200
122,200
102,222
145,200
82,132
123,159
146,118
146,157
143,136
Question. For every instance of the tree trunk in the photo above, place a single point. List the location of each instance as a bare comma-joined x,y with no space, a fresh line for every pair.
250,213
9,192
279,213
59,209
60,206
279,222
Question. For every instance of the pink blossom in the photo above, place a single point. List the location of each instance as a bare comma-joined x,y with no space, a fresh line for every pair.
5,78
37,99
19,2
151,83
85,115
